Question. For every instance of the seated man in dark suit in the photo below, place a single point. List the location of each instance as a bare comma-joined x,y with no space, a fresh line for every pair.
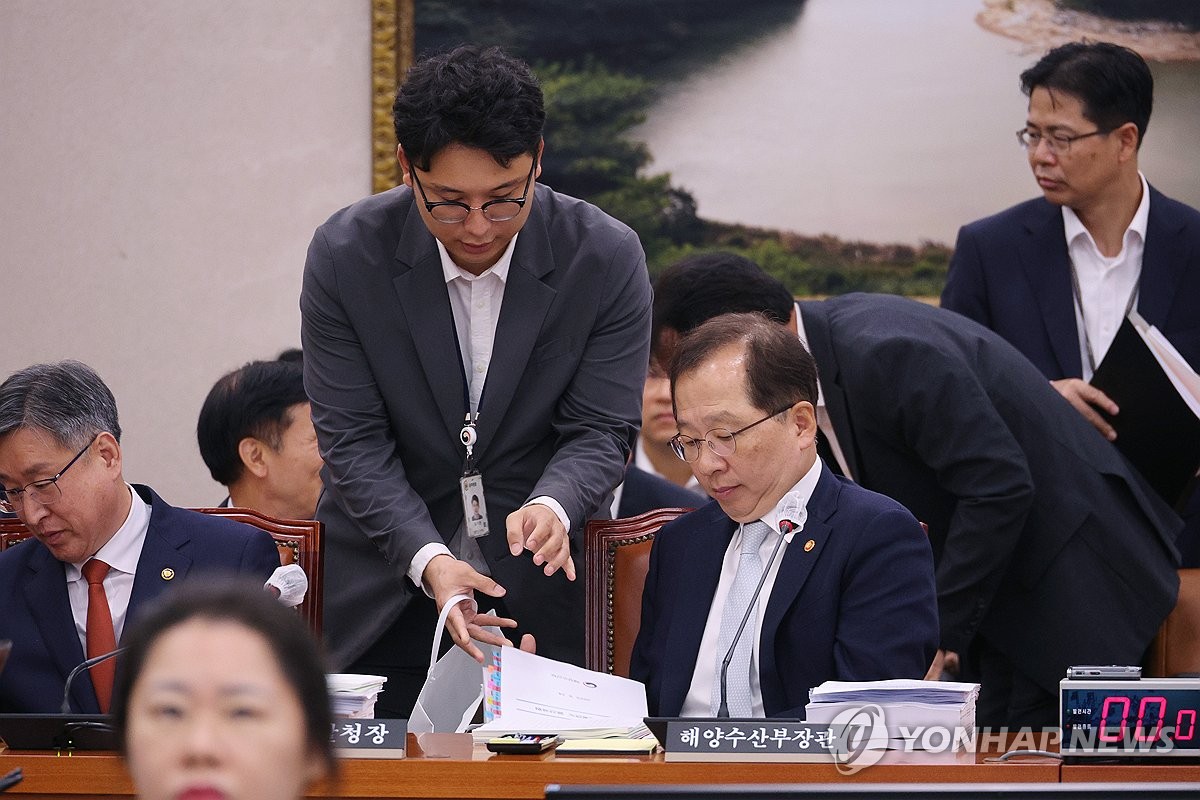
849,591
1050,549
643,491
257,439
650,482
102,548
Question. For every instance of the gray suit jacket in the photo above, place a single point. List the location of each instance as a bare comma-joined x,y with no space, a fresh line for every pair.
558,413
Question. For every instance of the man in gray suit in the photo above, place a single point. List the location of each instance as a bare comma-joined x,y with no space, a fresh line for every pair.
469,332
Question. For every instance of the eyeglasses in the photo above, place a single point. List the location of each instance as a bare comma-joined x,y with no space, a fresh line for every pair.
721,441
452,211
1057,143
45,491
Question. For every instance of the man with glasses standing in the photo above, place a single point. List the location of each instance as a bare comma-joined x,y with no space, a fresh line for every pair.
833,581
101,548
1056,275
468,333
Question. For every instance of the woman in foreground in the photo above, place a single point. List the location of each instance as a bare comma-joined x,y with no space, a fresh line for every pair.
221,694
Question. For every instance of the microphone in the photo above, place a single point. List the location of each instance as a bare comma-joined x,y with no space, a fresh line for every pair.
792,509
11,779
83,666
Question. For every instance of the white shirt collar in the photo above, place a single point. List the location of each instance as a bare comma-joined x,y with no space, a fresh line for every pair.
450,270
804,341
802,493
123,550
1073,227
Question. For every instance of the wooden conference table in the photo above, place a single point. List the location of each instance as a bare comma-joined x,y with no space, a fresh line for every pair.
449,766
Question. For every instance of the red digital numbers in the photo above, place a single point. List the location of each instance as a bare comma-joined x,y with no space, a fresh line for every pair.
1185,717
1151,711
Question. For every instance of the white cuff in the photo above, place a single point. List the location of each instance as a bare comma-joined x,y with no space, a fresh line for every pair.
416,567
555,506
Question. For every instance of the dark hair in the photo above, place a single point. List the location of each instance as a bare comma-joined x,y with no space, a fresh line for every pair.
698,288
473,96
245,603
67,400
1113,82
779,370
254,400
293,354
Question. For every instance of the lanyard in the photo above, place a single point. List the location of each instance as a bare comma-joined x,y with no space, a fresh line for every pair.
468,434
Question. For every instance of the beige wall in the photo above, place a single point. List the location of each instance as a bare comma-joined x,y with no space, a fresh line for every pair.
163,164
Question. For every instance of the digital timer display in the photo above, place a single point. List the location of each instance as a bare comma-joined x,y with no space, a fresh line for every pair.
1153,717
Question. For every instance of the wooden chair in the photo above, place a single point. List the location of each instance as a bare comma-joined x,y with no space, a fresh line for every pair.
299,542
616,557
1176,648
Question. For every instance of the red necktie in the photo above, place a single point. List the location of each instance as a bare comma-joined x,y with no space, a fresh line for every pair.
100,636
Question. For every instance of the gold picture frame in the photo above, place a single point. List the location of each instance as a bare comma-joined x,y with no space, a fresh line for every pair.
391,55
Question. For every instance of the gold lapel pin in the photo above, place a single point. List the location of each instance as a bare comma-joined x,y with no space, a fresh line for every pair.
809,545
167,573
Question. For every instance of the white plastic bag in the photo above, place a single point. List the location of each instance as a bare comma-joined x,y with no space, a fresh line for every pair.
453,688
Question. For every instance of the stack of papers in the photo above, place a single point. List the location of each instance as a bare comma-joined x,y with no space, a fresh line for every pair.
354,696
526,693
910,707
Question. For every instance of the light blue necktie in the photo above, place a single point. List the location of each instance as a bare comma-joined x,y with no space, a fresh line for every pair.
741,593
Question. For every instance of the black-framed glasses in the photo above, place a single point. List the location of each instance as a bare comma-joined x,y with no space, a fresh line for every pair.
452,211
1057,143
45,491
721,441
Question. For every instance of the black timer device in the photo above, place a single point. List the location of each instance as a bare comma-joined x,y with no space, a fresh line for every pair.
1110,713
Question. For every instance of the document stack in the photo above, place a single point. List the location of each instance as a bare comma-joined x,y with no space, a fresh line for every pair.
353,696
526,693
918,715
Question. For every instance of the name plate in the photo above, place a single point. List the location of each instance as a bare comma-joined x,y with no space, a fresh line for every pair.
758,740
369,738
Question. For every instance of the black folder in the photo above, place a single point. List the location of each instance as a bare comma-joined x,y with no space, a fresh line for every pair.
1156,428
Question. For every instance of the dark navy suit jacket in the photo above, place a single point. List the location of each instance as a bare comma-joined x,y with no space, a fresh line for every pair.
858,605
1011,273
36,611
644,491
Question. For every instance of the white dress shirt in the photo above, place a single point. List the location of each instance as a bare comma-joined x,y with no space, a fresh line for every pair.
121,553
698,702
1105,284
824,423
475,302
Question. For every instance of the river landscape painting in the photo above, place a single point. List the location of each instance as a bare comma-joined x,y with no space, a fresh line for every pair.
840,143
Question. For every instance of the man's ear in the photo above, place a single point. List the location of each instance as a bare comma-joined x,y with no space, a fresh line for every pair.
405,166
1127,135
109,451
252,453
806,422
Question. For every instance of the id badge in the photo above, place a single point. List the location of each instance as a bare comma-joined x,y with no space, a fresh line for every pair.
474,505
